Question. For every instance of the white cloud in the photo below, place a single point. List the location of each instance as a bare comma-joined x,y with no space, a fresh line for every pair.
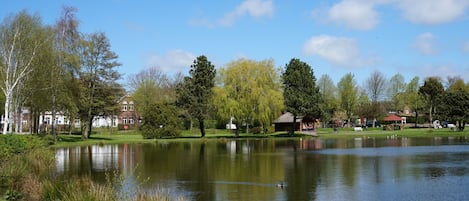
425,44
254,8
173,61
433,11
440,70
465,47
339,50
354,14
362,14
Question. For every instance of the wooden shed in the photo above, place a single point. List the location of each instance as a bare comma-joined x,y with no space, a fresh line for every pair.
285,121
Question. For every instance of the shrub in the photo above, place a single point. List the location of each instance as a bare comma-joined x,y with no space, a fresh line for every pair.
257,130
160,120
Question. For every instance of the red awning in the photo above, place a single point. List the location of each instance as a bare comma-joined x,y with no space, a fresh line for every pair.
392,117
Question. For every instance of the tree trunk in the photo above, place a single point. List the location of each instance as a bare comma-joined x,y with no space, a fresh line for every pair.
53,119
416,118
11,120
247,128
17,118
71,124
90,126
461,125
293,128
84,129
431,117
191,125
201,127
21,120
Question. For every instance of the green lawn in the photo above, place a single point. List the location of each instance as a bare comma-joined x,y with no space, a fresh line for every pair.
103,137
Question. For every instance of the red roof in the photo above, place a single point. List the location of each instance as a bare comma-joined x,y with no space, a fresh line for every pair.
392,117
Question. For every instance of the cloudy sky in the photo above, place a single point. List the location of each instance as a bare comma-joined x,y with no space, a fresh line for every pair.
412,37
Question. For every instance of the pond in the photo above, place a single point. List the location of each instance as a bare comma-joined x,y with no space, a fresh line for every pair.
390,168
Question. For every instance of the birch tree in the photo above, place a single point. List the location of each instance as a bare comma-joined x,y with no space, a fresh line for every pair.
20,40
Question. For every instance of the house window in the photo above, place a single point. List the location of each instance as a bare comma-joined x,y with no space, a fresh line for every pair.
124,106
131,106
131,120
124,120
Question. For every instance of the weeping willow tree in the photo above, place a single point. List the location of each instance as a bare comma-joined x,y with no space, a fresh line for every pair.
249,91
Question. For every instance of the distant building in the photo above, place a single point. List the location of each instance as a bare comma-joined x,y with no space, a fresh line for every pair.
128,116
285,123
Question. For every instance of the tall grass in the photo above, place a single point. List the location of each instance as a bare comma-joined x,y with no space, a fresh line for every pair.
26,173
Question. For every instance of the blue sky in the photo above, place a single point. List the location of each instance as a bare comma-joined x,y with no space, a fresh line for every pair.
414,37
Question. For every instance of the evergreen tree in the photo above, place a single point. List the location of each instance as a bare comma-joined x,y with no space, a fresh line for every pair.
301,94
195,91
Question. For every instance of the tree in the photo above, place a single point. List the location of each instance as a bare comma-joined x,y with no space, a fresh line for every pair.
98,80
66,42
364,105
328,92
160,120
348,94
21,38
150,86
455,107
412,98
456,84
376,86
395,89
301,94
431,90
195,91
249,91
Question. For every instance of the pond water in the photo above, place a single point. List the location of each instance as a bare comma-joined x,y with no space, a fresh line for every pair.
273,169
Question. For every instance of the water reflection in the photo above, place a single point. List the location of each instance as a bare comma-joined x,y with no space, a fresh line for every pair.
310,169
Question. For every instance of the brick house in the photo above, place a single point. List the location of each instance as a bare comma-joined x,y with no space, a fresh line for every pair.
128,117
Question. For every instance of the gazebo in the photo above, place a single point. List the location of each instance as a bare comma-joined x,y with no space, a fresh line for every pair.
394,118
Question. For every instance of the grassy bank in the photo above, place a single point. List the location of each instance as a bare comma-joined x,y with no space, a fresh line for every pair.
211,134
26,163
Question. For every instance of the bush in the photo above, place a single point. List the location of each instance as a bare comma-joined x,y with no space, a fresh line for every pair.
160,120
257,130
13,144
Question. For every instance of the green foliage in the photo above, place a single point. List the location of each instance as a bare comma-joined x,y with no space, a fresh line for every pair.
431,90
300,93
99,90
151,85
195,92
160,120
22,41
329,102
249,91
13,195
455,106
395,90
348,94
12,144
